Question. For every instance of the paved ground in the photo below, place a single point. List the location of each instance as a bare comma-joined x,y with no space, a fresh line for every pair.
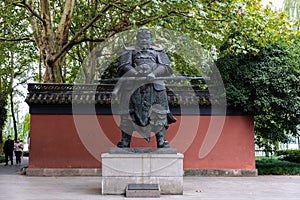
14,187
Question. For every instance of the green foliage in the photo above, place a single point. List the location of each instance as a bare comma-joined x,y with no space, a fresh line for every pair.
242,24
181,67
267,85
2,158
111,71
26,153
277,167
18,55
23,127
254,26
292,155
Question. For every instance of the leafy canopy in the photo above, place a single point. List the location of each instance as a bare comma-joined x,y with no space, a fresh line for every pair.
267,85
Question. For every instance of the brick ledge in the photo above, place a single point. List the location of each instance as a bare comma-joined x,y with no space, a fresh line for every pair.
221,172
98,172
63,171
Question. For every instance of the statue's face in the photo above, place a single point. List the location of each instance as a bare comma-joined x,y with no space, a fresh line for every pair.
144,40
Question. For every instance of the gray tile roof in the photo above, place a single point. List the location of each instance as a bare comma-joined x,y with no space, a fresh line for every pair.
102,94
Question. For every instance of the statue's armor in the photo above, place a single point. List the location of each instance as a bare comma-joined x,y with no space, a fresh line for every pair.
144,108
144,57
133,57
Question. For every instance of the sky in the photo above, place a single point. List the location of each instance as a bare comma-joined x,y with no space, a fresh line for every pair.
277,4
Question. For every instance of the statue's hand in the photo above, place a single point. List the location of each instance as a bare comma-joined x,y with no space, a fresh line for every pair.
143,69
140,69
132,72
151,76
148,69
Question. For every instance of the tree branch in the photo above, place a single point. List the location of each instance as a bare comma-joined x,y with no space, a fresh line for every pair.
216,11
73,41
65,21
36,33
132,8
145,21
17,39
199,18
88,40
23,4
78,58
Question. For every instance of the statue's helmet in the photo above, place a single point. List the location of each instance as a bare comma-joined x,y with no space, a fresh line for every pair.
144,31
144,37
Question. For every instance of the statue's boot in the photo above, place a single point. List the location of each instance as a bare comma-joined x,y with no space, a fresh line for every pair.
161,139
125,142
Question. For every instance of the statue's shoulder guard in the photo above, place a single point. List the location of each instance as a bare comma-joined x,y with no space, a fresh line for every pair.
126,56
162,57
130,48
156,48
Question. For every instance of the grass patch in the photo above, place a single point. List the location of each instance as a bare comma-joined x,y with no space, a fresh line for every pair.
277,167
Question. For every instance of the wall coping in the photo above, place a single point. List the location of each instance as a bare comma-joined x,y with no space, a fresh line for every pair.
52,98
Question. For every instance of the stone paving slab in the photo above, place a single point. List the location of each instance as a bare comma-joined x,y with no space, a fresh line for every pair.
13,169
20,187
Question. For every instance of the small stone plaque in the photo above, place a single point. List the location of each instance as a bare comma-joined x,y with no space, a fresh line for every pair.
142,190
142,186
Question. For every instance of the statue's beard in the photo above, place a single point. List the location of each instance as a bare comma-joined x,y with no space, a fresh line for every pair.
144,46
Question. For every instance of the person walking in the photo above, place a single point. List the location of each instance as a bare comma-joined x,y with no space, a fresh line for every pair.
18,151
8,149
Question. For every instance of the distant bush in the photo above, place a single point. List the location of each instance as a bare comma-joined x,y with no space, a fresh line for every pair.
290,155
2,158
277,167
26,153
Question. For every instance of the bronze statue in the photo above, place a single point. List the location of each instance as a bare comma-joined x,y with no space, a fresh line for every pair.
145,109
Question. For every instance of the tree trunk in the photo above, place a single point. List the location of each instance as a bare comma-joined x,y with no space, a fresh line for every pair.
13,115
40,69
1,139
91,66
91,69
51,42
53,72
12,96
1,131
1,136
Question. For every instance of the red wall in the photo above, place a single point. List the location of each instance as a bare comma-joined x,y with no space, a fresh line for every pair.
77,141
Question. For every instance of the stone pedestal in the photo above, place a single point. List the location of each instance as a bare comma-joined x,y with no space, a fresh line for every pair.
161,167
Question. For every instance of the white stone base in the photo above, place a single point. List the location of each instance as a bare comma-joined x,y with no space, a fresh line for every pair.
119,170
